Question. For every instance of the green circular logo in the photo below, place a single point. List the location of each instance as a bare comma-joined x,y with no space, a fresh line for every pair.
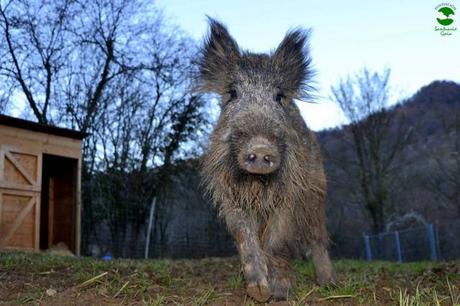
445,13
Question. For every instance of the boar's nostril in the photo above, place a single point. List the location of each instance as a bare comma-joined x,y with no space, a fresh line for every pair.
252,157
268,159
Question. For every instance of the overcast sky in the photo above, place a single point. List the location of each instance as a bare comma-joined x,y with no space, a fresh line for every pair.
347,35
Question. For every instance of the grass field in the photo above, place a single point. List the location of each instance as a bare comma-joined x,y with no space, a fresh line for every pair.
30,278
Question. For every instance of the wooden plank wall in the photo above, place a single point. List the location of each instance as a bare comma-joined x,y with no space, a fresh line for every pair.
21,162
20,183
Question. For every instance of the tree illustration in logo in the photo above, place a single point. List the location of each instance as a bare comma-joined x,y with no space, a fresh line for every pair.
446,12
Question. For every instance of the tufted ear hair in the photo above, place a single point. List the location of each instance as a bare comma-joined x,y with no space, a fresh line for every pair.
220,53
292,61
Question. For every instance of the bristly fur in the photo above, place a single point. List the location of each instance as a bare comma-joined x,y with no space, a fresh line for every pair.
293,55
291,61
218,57
275,216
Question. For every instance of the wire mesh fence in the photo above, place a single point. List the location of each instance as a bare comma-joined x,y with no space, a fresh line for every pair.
448,239
181,223
201,233
429,242
179,233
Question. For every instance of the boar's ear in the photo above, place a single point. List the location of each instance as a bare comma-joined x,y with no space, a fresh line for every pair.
219,55
292,61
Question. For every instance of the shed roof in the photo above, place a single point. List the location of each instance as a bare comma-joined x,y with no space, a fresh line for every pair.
43,128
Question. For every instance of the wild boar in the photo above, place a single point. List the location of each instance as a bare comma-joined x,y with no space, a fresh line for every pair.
263,168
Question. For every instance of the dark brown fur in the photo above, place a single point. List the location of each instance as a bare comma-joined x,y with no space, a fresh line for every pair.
272,217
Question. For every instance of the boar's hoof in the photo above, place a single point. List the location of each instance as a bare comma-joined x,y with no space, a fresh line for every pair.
260,293
281,288
326,279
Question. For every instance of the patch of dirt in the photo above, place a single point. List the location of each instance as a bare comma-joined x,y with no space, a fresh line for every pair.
50,280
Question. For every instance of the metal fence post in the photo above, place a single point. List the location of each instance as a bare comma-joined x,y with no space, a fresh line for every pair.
436,237
367,246
431,241
398,246
149,228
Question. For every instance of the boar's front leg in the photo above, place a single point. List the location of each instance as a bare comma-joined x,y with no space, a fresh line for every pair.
253,260
325,274
274,244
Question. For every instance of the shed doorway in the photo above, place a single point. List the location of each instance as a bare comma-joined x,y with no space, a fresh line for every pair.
58,203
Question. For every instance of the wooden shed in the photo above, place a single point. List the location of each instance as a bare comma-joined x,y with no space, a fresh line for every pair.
40,179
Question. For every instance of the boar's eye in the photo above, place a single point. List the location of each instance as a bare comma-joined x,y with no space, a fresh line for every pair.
233,94
280,98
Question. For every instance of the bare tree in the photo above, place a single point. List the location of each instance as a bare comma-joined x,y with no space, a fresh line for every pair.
377,138
34,50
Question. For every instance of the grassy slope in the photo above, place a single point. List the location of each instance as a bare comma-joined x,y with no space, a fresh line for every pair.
56,280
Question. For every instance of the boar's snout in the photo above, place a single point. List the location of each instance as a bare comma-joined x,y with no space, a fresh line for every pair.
259,156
